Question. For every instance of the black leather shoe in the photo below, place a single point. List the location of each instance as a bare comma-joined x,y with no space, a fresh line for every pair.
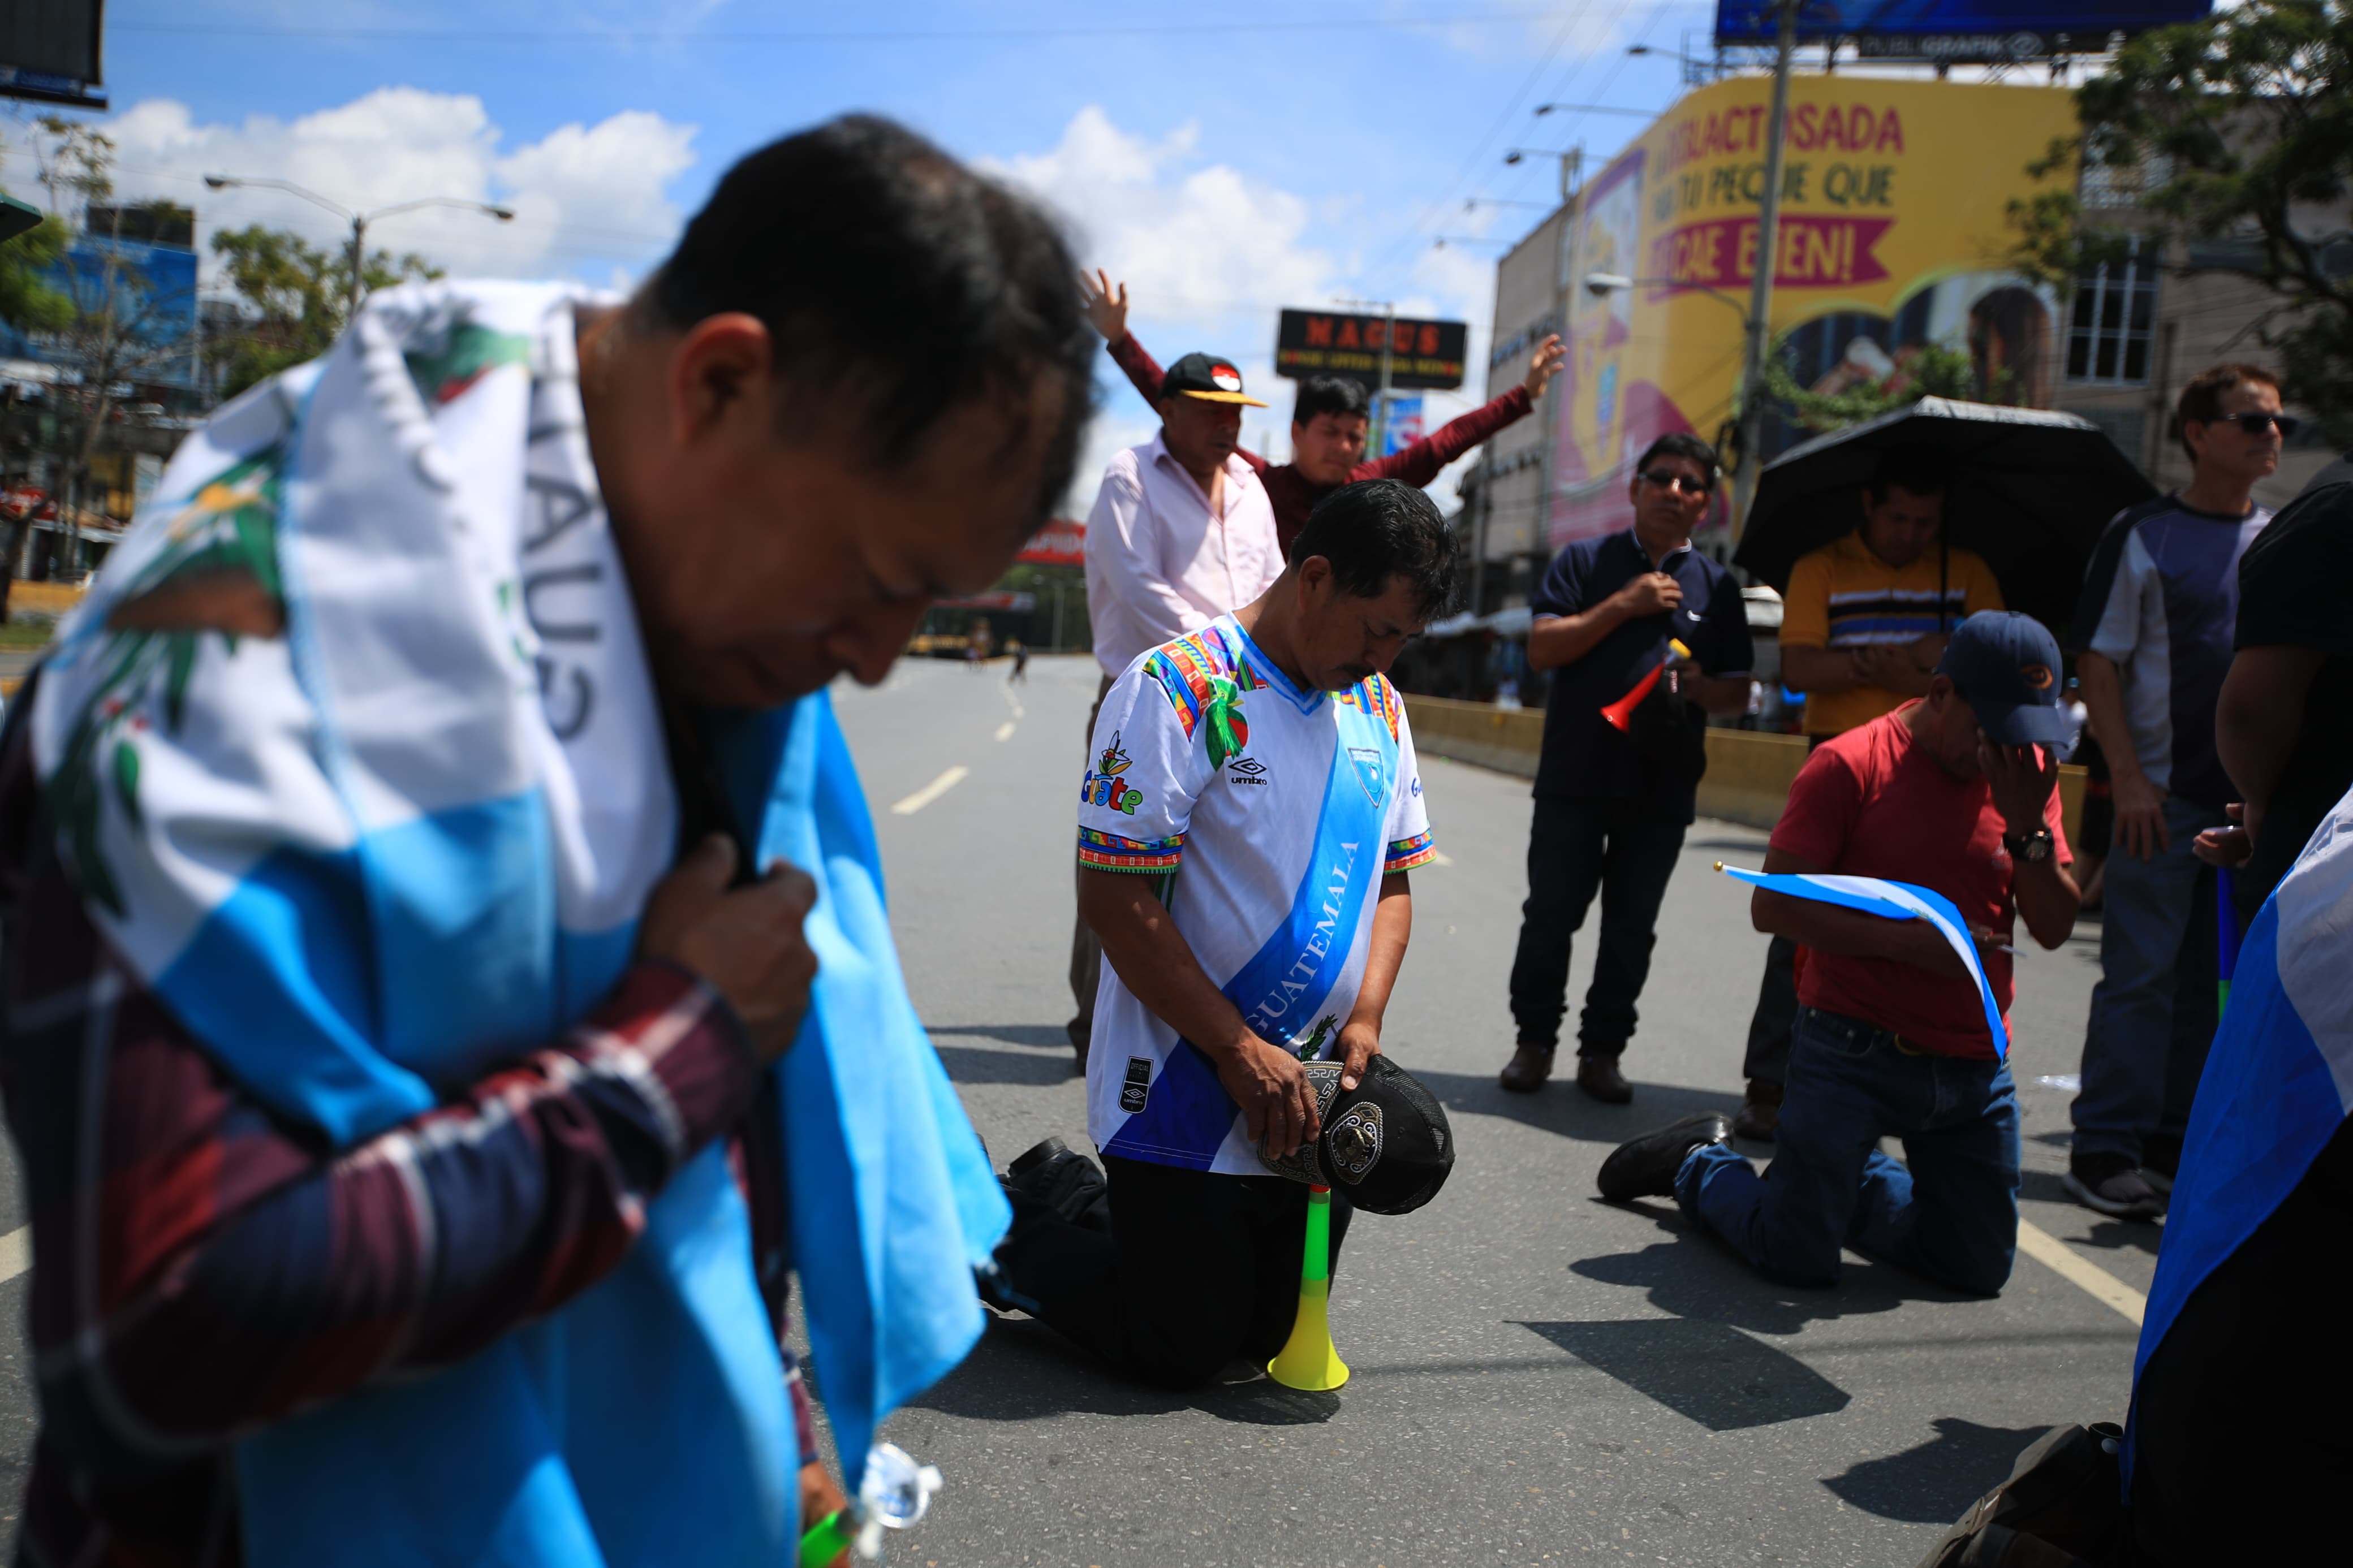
1599,1077
1760,1116
1527,1071
1645,1167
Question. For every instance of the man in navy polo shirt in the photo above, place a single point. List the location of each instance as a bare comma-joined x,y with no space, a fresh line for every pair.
1611,805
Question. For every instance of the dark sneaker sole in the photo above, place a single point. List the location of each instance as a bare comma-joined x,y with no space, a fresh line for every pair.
2141,1209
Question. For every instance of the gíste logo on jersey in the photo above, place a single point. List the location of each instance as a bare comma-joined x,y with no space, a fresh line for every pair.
1246,771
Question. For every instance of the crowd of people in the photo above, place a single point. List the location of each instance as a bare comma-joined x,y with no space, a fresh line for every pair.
429,1005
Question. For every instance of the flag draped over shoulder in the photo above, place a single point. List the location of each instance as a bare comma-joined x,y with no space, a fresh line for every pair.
367,857
2278,1082
1894,901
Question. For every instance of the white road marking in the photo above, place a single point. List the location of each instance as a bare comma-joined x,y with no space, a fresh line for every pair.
932,791
1005,731
16,1253
1013,702
2098,1283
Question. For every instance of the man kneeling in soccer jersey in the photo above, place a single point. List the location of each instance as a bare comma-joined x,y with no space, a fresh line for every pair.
1244,837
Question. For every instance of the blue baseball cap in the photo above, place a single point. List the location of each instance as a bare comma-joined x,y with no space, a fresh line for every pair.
2006,667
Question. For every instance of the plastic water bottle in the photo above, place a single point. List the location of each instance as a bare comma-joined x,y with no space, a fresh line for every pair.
894,1494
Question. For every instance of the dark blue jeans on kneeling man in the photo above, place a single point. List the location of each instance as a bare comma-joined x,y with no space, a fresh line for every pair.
1948,1214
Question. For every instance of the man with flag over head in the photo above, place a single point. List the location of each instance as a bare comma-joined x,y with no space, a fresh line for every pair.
427,1066
1898,1033
1246,829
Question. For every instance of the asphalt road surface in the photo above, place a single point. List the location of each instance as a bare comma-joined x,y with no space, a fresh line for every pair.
1539,1377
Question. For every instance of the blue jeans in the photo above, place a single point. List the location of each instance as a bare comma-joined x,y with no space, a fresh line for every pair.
2153,1010
1949,1213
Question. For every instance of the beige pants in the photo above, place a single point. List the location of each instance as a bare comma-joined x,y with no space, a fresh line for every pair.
1086,953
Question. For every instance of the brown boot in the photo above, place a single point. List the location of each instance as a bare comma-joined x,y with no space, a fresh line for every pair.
1760,1111
1527,1071
1599,1077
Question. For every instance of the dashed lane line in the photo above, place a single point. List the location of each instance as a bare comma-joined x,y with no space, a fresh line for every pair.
2094,1281
1005,731
16,1252
932,791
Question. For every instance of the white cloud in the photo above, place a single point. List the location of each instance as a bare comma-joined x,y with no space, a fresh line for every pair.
587,198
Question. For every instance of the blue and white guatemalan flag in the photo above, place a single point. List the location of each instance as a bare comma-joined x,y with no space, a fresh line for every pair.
2279,1079
367,858
1894,901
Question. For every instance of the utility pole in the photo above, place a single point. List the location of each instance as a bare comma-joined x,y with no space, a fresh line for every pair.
1381,406
1761,287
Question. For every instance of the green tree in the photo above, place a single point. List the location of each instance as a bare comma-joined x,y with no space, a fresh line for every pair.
2240,127
27,302
294,295
1930,370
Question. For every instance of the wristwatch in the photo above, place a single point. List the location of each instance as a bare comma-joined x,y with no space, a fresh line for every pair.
2033,846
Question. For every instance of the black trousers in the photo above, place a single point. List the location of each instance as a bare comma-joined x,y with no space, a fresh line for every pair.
1198,1270
1575,849
1776,1001
2240,1414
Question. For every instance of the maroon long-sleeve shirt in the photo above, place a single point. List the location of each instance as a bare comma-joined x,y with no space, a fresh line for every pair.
1294,495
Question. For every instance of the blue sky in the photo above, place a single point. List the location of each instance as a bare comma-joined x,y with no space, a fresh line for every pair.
1227,160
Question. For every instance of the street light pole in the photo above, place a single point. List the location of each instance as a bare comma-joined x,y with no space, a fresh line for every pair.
358,220
1760,286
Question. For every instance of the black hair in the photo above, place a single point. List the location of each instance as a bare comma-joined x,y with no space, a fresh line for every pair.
1922,471
1375,529
1682,444
895,283
2201,398
1330,394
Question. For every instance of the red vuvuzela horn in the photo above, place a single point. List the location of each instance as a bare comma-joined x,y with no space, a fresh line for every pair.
1622,712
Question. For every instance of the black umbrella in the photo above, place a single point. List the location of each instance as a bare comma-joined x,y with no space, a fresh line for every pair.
2031,491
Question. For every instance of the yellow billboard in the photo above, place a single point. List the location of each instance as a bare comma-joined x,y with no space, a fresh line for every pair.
1893,229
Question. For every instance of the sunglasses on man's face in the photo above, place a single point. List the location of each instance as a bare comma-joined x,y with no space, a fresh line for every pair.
1683,484
2257,422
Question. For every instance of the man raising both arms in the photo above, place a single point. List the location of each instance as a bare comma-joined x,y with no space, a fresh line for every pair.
1244,837
1328,421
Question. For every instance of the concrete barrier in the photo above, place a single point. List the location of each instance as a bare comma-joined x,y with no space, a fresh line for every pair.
1749,772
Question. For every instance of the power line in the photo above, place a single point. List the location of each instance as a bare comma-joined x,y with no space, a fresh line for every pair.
587,35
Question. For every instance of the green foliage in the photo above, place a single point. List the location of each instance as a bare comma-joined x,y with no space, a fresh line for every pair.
2246,120
25,302
1931,370
296,294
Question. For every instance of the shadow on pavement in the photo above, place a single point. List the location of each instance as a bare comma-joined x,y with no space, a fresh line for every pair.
1695,1278
1710,1372
1561,1107
1023,1371
1936,1482
1754,846
974,1063
1042,1036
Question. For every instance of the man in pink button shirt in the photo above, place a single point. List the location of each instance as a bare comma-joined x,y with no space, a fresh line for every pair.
1182,532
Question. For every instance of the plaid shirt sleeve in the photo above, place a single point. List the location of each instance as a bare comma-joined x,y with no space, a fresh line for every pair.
201,1270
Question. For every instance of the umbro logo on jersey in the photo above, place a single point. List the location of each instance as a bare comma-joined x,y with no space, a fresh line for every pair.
1138,1085
1246,771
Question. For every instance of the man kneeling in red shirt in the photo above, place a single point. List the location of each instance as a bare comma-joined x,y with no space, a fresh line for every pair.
1948,793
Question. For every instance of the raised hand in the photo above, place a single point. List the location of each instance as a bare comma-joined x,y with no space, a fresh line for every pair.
1106,305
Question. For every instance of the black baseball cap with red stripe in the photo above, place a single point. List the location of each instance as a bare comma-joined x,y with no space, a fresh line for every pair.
1209,378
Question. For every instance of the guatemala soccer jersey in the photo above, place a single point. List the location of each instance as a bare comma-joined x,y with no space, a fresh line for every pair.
1267,816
